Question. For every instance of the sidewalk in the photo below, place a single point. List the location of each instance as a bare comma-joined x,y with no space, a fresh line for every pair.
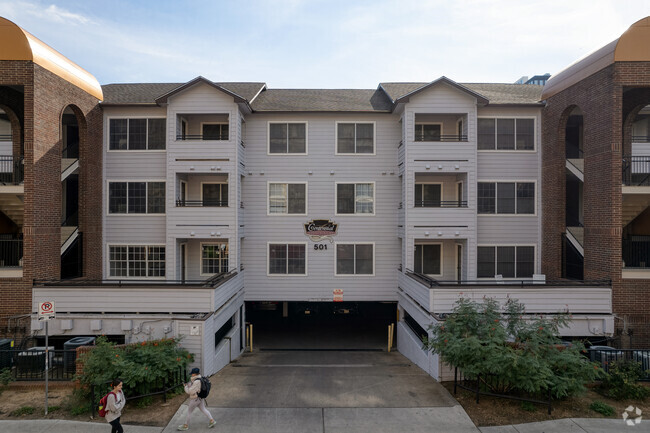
65,426
571,425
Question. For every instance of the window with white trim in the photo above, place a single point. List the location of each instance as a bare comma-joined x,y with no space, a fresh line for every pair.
287,259
288,138
428,259
355,259
355,198
428,131
287,198
355,138
136,197
214,258
428,194
214,131
506,198
136,134
507,261
214,194
506,134
136,261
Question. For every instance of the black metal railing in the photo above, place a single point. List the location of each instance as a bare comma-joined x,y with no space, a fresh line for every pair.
636,170
605,357
441,203
11,253
71,220
71,151
641,139
636,253
440,137
5,137
489,384
29,364
201,203
12,170
183,137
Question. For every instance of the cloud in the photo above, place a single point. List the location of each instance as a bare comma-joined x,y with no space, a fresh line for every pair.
55,13
25,11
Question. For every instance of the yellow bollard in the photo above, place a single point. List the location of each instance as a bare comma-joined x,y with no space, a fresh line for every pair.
251,333
389,338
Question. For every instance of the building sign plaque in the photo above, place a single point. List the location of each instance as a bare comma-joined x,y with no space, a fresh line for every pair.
320,230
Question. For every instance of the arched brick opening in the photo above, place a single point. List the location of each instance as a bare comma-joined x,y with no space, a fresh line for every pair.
16,130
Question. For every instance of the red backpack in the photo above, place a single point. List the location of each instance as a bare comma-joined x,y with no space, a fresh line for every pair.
102,404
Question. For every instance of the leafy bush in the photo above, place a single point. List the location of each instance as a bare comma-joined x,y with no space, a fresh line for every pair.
79,410
528,406
24,410
621,382
602,408
523,353
143,402
51,409
5,376
141,366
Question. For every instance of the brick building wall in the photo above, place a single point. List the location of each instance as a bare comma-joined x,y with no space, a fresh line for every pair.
606,100
46,96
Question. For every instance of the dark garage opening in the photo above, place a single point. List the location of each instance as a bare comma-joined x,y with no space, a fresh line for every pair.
353,326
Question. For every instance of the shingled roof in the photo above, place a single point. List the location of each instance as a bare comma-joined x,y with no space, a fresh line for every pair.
147,93
277,100
496,93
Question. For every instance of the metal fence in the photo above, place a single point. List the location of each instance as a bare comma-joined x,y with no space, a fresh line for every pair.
12,170
11,253
29,364
636,170
605,357
636,253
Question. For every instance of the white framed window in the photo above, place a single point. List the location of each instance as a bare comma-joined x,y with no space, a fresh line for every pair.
287,258
428,259
509,261
428,194
136,134
214,194
428,131
287,198
506,134
136,197
287,138
355,198
355,259
214,130
355,138
506,198
136,261
214,258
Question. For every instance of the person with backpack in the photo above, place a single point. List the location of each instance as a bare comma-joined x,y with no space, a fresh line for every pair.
198,389
114,404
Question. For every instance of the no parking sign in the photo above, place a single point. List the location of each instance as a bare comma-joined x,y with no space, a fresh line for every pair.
46,310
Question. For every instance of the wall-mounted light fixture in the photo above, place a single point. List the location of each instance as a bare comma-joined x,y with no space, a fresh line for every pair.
427,166
192,233
213,168
439,233
426,233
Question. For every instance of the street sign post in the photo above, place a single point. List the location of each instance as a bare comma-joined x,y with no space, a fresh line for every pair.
46,312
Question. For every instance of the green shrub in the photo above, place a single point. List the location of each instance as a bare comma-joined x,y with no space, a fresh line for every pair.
142,366
621,382
143,402
5,376
51,409
602,408
79,410
528,406
524,353
24,410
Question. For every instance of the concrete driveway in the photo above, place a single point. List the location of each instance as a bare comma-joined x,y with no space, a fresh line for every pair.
327,391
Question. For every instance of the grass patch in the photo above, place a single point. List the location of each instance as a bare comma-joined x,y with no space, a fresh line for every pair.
144,402
51,409
25,410
528,406
602,408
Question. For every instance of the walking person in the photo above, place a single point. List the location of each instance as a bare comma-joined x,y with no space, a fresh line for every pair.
114,405
192,388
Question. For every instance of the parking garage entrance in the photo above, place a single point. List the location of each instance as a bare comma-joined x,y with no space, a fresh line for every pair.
351,326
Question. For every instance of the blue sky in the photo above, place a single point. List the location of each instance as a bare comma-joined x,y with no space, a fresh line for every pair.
324,43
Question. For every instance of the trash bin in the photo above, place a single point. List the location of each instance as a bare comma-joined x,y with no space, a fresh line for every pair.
70,351
6,345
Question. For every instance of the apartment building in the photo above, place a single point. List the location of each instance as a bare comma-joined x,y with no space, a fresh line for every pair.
188,209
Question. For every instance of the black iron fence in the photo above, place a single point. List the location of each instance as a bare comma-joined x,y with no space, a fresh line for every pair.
12,170
636,170
161,386
636,253
440,137
605,356
201,203
221,137
492,385
29,364
11,253
441,203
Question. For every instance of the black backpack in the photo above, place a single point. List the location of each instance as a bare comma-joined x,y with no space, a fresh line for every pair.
205,387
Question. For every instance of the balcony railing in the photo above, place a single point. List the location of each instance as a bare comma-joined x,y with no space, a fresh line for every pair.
12,170
441,203
636,253
201,203
440,137
641,139
221,137
636,170
5,137
11,253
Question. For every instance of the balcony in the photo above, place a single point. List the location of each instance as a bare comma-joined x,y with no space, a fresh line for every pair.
440,137
12,170
201,203
636,171
439,203
636,252
11,258
219,137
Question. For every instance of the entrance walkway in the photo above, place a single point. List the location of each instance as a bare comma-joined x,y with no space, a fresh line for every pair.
327,391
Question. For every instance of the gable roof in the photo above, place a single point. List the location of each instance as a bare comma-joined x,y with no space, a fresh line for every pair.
405,97
495,93
322,100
